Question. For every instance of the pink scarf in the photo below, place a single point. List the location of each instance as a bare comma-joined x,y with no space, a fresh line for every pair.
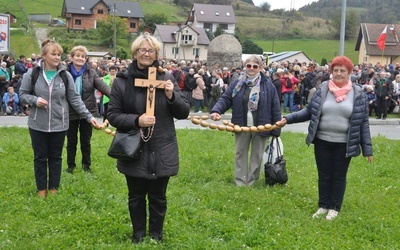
340,93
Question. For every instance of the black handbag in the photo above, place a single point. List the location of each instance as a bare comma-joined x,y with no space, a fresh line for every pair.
275,173
126,145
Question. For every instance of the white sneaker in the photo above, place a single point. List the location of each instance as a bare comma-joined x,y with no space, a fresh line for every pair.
319,212
332,214
198,112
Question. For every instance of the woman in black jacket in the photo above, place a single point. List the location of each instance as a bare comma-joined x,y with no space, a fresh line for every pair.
86,81
159,159
339,126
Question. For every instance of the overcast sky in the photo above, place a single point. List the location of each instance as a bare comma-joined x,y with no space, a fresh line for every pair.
284,4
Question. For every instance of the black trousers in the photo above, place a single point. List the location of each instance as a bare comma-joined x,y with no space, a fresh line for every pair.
47,151
105,110
381,106
332,171
155,190
85,135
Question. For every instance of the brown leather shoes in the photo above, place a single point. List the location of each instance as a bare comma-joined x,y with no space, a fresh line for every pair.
42,193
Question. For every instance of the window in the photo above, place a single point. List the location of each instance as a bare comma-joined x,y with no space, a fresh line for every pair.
207,26
228,14
201,12
132,25
175,50
196,52
78,22
100,12
223,26
187,37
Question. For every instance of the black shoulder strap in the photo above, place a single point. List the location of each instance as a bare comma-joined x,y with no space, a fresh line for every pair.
35,75
64,77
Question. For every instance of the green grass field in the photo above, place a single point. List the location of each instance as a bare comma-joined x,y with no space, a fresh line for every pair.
314,49
205,208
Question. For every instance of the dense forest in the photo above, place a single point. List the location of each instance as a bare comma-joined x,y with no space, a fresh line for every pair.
368,11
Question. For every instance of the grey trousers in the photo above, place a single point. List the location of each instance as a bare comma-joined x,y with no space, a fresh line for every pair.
247,173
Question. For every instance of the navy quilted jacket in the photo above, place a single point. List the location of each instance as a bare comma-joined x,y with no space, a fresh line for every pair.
269,108
358,135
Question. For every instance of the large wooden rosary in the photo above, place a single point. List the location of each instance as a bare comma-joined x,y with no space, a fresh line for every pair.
230,127
201,120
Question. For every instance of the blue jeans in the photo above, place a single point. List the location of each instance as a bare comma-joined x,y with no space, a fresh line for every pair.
288,97
14,106
197,104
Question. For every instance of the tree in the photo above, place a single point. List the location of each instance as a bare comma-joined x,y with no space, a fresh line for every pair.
249,47
152,19
105,29
218,32
265,7
121,53
351,24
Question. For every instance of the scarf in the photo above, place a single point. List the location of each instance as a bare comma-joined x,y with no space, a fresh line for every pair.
78,78
75,73
340,93
253,83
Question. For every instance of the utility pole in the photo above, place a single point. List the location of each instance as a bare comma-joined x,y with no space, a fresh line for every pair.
115,34
342,28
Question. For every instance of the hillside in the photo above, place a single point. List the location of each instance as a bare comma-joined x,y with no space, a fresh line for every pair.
252,23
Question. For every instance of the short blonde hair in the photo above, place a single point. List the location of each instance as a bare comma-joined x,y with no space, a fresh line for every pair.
50,44
154,43
78,48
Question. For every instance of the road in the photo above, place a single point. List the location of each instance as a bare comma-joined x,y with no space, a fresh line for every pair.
389,128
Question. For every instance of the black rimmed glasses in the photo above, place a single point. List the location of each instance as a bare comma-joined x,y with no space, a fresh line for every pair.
144,51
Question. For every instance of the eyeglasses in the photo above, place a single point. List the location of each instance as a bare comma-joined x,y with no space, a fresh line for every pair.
150,51
249,66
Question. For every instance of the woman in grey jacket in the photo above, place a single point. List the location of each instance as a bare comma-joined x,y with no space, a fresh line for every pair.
49,99
339,126
148,176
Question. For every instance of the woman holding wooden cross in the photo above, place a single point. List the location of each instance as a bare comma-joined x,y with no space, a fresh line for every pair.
148,99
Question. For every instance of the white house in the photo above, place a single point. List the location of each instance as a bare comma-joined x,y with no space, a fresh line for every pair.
182,42
210,17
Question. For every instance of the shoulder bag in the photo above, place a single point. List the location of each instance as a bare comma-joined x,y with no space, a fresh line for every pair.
275,172
126,145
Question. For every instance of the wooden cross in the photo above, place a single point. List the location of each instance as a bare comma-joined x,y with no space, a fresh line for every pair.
151,84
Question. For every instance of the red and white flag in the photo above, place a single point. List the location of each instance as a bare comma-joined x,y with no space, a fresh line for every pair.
381,40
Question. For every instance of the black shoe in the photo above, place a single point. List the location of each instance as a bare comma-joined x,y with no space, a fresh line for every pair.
86,168
70,170
384,118
156,237
137,240
378,117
